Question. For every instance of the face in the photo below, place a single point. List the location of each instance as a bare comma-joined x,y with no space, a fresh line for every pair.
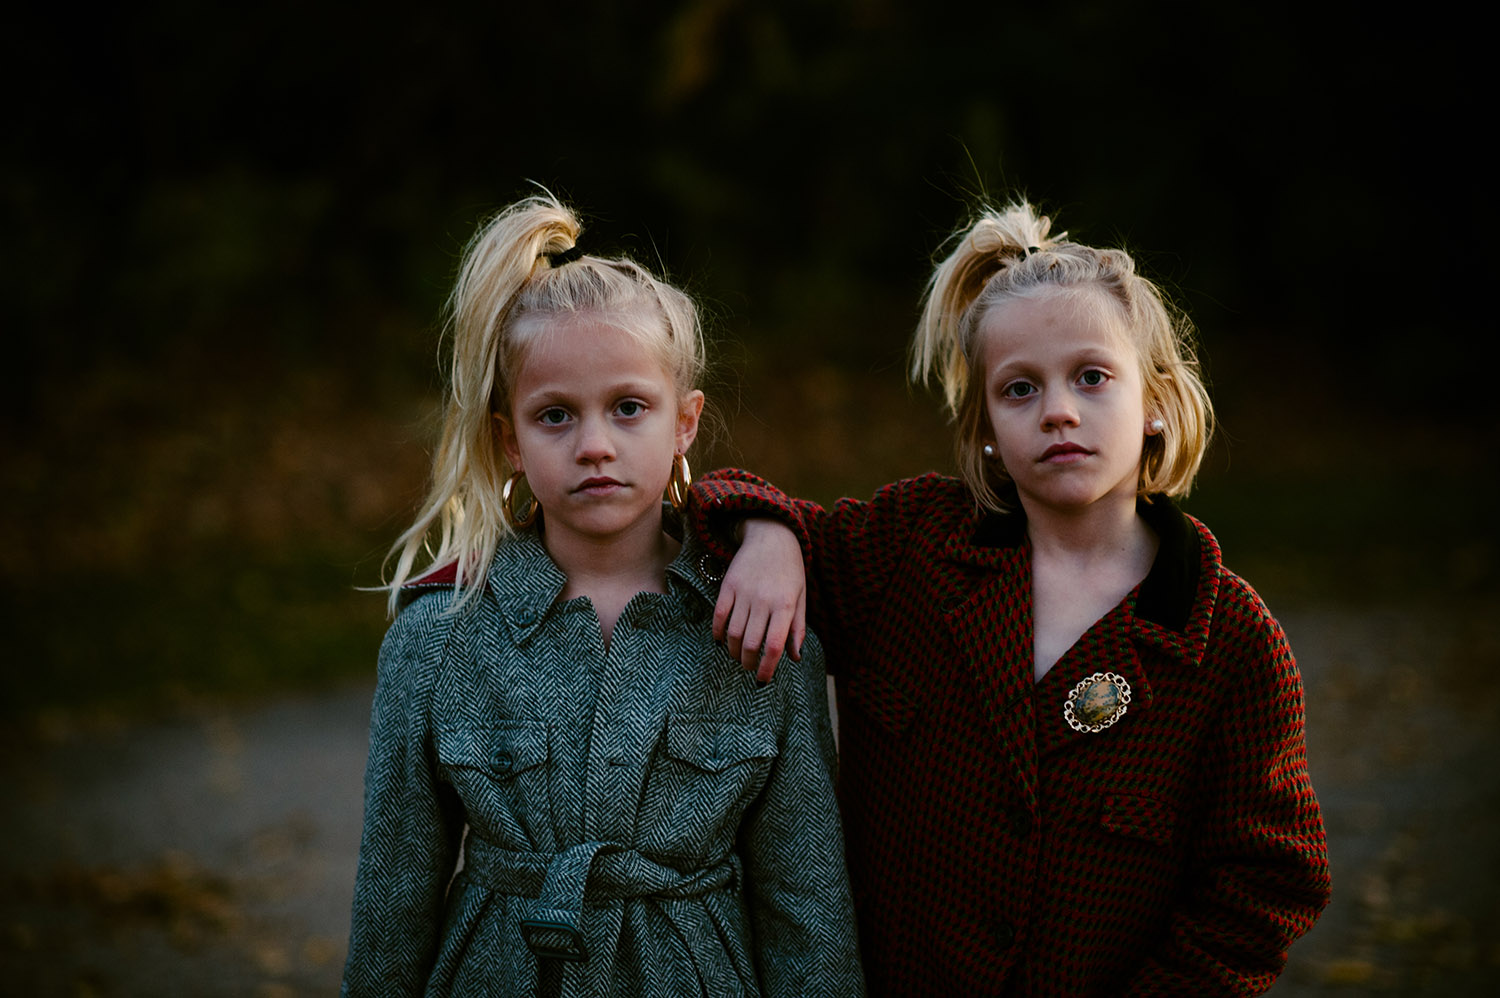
595,422
1065,402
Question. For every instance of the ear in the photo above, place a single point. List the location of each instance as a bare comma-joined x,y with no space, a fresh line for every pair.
689,411
505,436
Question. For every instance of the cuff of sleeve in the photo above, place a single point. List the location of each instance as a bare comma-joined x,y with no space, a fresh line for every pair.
721,500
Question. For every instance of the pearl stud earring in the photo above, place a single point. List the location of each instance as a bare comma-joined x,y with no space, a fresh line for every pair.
989,450
1156,426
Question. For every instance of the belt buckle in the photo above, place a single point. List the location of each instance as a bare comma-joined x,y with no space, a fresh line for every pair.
535,931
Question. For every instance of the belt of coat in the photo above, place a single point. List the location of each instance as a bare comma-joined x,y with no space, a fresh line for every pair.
605,871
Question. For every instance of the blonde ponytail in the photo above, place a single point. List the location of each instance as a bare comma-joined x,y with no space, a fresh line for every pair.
996,240
523,263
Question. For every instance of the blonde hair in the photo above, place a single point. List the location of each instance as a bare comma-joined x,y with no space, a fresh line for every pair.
1008,255
519,269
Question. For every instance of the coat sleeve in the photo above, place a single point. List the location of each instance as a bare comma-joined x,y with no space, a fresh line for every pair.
792,843
413,821
852,551
1260,860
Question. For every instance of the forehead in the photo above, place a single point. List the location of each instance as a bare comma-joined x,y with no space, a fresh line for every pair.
584,347
1051,325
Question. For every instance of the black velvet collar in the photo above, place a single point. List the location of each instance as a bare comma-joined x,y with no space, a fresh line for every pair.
1169,589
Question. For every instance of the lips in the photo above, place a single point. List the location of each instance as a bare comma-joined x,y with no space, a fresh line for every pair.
1063,450
598,485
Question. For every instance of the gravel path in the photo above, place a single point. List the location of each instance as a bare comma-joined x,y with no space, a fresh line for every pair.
208,855
213,854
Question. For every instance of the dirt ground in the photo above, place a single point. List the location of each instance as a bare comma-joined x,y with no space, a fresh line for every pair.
213,852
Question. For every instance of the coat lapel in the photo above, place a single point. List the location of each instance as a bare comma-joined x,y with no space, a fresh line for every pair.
1165,619
985,583
1101,678
991,625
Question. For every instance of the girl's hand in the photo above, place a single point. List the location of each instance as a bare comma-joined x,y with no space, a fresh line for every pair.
762,608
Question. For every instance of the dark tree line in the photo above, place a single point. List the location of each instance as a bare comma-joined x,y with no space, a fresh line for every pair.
179,173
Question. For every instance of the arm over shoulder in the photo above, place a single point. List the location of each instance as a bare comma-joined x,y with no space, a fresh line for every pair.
852,550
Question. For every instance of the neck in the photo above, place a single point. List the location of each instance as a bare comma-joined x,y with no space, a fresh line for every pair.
635,559
1103,530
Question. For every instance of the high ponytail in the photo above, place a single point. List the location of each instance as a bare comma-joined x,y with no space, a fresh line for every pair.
524,263
996,240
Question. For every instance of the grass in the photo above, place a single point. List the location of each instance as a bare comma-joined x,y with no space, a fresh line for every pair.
188,630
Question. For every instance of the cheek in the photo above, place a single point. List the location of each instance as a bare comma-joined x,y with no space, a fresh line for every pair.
521,457
999,422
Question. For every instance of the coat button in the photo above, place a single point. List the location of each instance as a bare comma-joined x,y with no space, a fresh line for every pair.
503,759
1005,934
711,568
1019,821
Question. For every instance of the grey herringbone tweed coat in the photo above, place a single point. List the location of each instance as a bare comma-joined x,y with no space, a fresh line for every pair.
650,796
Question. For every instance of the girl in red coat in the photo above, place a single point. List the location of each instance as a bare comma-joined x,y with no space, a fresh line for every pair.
1072,740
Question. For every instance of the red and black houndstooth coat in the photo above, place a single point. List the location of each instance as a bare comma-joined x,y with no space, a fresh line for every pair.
995,849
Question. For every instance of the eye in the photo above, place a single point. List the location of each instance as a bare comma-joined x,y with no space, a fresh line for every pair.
1018,390
630,408
1093,378
552,417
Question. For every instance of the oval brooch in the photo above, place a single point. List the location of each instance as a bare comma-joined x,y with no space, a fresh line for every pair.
1097,702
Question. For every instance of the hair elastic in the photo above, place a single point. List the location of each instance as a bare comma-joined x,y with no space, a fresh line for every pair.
564,257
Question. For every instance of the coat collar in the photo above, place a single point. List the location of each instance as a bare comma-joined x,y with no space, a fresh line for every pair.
1181,584
1169,611
524,582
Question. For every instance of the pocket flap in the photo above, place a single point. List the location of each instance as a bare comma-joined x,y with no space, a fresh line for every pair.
503,748
713,746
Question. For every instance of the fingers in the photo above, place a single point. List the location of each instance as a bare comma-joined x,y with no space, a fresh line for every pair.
758,622
785,630
762,606
753,635
757,642
770,653
736,629
799,626
765,666
723,608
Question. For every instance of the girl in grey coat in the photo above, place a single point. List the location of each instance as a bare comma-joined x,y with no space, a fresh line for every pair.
643,817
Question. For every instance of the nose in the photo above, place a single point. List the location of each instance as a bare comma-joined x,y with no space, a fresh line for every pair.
595,444
1059,409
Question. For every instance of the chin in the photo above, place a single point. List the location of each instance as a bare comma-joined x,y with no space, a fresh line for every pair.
614,521
1063,500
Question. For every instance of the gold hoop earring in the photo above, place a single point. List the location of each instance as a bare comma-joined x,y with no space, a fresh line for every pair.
677,485
507,497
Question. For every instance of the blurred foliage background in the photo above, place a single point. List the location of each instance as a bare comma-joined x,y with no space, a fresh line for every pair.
229,230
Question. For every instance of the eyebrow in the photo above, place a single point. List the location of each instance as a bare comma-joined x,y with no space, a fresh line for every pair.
1089,355
549,394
